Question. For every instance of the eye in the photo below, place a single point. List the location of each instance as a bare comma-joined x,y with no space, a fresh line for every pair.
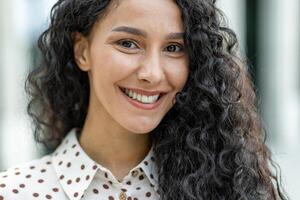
174,48
127,44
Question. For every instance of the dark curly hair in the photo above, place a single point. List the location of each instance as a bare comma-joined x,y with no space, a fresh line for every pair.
209,146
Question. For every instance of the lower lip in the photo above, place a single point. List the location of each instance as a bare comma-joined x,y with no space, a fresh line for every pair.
140,105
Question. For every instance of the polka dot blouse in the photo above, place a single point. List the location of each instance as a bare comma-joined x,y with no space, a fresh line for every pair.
69,173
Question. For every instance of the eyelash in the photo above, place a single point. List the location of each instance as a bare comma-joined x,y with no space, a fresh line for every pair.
181,48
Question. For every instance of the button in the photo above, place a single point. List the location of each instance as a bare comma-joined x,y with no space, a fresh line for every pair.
122,196
134,173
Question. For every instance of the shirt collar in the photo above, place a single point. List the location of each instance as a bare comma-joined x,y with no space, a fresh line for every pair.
76,170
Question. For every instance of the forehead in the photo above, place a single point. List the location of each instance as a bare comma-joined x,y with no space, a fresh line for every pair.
151,14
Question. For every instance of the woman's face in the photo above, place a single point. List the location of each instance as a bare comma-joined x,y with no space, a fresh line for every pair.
138,45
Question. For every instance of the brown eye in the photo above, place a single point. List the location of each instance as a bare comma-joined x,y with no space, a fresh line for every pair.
174,48
127,44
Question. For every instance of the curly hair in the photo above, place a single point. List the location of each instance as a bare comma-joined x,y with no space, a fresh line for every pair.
209,146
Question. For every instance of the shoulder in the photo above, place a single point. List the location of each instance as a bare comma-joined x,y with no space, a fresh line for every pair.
28,180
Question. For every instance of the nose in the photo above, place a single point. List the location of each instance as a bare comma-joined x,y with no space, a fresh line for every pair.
151,70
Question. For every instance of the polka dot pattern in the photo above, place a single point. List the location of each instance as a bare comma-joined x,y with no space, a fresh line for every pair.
69,173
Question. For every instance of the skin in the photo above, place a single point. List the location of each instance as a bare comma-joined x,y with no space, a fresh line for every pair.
115,133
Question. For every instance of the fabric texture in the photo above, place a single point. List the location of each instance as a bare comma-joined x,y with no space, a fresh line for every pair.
69,173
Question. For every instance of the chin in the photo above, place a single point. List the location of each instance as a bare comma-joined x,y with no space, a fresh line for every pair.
142,129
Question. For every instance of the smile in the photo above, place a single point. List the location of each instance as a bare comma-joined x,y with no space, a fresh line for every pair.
142,101
140,97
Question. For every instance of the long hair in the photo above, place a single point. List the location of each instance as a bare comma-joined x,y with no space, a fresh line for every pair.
209,146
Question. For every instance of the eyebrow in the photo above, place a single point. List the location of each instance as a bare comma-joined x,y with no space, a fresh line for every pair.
138,32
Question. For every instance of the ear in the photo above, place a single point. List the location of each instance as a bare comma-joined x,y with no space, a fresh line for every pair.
81,51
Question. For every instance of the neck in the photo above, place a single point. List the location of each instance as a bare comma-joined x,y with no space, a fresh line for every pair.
112,146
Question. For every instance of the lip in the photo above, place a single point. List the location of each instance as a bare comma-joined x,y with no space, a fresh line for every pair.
139,105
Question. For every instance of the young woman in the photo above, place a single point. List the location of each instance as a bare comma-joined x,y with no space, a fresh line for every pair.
142,100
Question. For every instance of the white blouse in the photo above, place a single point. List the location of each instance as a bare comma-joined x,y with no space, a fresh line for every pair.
69,173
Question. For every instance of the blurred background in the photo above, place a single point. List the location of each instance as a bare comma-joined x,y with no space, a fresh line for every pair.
269,35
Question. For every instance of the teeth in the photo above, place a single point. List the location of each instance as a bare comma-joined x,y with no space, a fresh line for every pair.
141,98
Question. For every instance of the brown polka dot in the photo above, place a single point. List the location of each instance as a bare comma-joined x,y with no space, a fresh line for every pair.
145,162
65,151
48,163
69,182
35,194
82,167
40,180
135,199
28,176
105,174
60,162
87,177
43,170
105,186
76,194
94,167
148,194
15,191
5,176
110,182
95,191
128,182
138,188
61,177
68,164
2,185
141,177
152,158
32,167
151,185
55,189
111,198
124,189
77,153
73,146
22,185
77,179
17,173
151,176
129,198
1,197
48,196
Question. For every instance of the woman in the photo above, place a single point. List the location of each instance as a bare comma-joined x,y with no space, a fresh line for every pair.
144,100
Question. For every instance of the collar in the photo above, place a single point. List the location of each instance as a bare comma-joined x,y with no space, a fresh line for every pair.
76,170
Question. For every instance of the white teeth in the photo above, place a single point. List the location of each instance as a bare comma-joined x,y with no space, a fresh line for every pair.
144,98
134,95
141,98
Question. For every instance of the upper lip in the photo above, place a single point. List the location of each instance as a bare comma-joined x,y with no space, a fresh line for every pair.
144,92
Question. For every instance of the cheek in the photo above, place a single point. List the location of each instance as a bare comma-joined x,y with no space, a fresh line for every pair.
178,73
114,64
